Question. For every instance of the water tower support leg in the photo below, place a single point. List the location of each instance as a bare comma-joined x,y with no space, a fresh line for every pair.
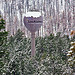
32,44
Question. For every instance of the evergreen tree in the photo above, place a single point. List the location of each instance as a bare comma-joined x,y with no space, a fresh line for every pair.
3,45
50,55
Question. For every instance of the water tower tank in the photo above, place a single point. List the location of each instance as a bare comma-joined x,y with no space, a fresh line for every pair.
33,20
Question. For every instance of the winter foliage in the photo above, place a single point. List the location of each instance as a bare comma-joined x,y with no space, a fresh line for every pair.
58,15
51,56
53,53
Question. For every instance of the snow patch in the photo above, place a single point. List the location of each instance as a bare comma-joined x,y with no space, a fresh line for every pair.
34,14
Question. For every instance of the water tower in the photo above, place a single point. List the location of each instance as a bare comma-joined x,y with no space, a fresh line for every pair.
33,21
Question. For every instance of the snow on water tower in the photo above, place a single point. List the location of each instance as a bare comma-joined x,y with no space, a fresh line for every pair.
33,21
